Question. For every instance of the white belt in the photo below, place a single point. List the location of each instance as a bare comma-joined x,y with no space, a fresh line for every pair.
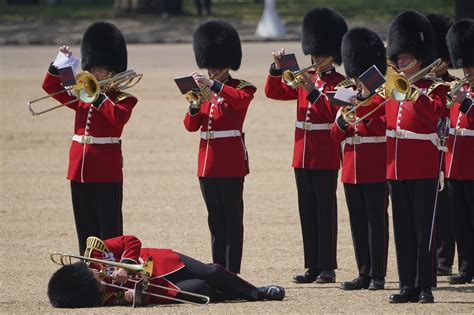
211,134
359,139
95,140
406,134
310,126
461,132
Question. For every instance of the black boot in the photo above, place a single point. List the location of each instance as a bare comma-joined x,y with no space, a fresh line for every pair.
426,296
405,296
308,277
326,276
377,284
361,282
442,270
271,293
460,278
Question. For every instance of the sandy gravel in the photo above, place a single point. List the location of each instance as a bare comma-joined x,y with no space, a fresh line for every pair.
162,201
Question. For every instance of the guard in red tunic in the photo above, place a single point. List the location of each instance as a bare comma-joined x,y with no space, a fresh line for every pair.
364,165
444,227
222,159
316,156
413,157
95,156
75,285
459,170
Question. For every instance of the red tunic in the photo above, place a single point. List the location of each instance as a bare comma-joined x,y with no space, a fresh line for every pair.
223,157
313,149
413,158
128,249
458,159
363,162
95,162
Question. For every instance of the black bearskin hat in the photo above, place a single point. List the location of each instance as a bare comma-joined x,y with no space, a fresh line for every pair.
440,24
103,45
322,33
73,286
362,48
216,44
460,40
411,32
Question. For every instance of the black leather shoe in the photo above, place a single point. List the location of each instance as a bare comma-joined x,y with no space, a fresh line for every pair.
405,296
271,293
443,270
460,278
308,277
377,284
359,283
426,296
326,276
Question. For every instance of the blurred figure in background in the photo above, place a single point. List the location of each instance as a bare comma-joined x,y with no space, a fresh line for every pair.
207,6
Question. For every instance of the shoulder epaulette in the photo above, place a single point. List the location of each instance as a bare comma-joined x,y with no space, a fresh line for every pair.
242,84
435,83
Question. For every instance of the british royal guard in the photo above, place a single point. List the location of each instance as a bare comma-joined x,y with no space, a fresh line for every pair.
364,165
459,171
95,156
444,230
76,285
222,158
413,157
316,156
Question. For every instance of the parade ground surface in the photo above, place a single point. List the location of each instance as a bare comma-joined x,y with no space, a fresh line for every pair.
162,202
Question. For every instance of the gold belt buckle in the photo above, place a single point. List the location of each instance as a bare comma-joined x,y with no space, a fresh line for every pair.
401,134
306,125
458,131
210,134
86,139
356,140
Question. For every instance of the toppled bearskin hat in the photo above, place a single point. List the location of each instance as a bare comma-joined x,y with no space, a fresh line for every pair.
322,32
440,24
103,45
216,44
73,286
361,49
460,40
411,32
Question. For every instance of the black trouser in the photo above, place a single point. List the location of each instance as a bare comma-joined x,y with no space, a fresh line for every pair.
367,205
444,230
318,215
225,206
461,195
211,280
207,6
97,210
412,207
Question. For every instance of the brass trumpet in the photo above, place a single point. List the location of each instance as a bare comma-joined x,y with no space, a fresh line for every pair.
455,86
293,78
87,88
197,96
144,272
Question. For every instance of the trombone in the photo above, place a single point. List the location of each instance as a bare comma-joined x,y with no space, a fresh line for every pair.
141,283
396,87
455,86
87,88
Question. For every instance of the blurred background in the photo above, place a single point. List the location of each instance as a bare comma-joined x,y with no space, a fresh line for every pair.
158,21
